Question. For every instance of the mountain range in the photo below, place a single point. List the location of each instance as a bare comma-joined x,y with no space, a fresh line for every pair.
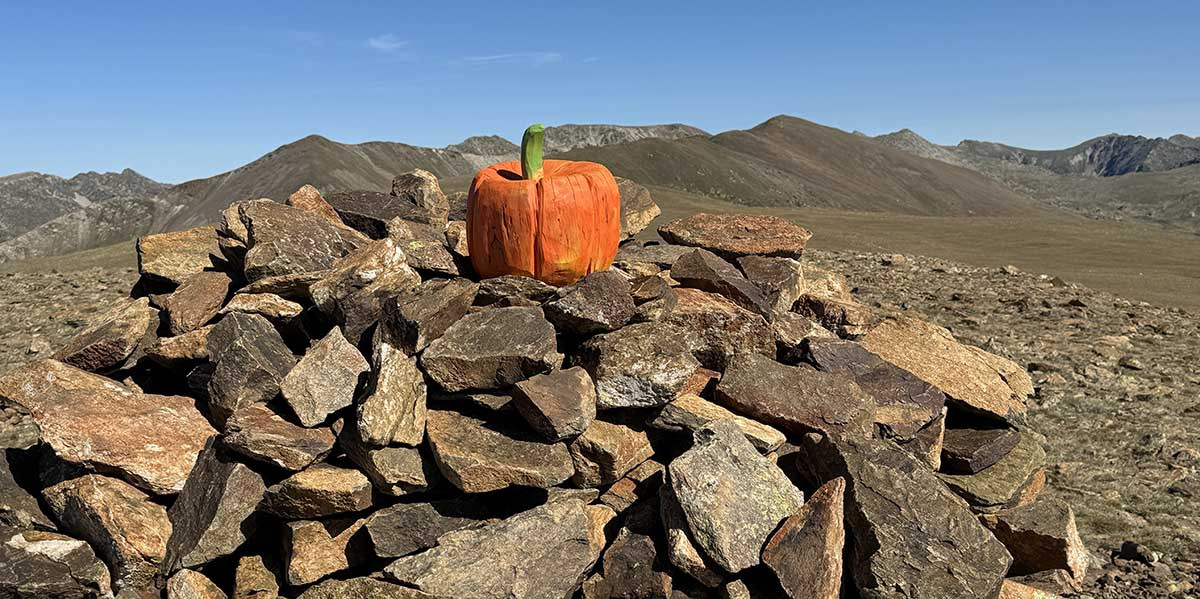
785,161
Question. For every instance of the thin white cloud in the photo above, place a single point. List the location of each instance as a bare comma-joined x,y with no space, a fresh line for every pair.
386,43
536,59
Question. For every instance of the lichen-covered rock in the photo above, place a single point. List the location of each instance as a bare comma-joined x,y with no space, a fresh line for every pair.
113,339
972,378
606,451
732,497
492,349
597,303
641,365
415,318
309,199
543,552
353,288
734,235
324,380
910,535
704,270
424,247
314,550
420,190
690,412
654,297
781,280
128,530
638,209
260,434
796,399
149,440
195,302
393,470
559,404
176,255
317,491
392,410
714,328
362,588
268,305
479,456
283,240
47,564
251,361
254,580
513,290
214,512
806,552
190,584
1004,483
1041,536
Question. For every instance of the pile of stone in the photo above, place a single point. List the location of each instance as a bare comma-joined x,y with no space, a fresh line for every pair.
319,399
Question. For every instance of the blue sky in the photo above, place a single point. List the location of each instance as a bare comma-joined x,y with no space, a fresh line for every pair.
181,91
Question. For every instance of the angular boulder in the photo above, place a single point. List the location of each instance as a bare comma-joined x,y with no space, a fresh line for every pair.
543,552
260,434
641,365
514,290
174,256
352,290
309,199
190,584
314,550
424,247
421,196
796,399
393,408
394,471
559,404
362,588
638,209
704,270
47,564
415,318
1007,483
714,328
973,379
214,512
606,451
251,361
324,380
1041,536
254,580
479,456
732,497
806,552
128,530
112,339
492,349
268,305
318,491
690,412
18,508
910,535
406,528
598,303
970,450
149,440
735,235
781,280
283,240
196,301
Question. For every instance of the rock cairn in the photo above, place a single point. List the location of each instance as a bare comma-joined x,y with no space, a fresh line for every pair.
318,399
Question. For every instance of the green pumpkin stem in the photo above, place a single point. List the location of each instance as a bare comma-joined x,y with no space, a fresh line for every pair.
531,152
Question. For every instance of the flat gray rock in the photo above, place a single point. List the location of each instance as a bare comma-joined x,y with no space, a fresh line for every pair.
492,349
732,497
544,552
324,380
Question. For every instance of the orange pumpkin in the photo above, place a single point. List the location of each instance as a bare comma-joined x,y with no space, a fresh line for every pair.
555,222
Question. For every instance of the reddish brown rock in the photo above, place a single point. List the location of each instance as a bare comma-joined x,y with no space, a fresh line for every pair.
149,440
260,434
606,451
324,380
283,240
113,339
492,349
846,318
714,328
196,301
174,256
314,550
318,491
972,378
734,235
559,404
796,399
1041,536
128,530
181,351
251,361
478,456
308,199
805,553
268,305
189,584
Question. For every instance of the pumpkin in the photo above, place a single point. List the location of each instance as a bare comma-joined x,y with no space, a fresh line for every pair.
555,221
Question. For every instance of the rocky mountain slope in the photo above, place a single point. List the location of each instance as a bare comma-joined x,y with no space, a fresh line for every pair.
275,472
1115,177
27,200
787,161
